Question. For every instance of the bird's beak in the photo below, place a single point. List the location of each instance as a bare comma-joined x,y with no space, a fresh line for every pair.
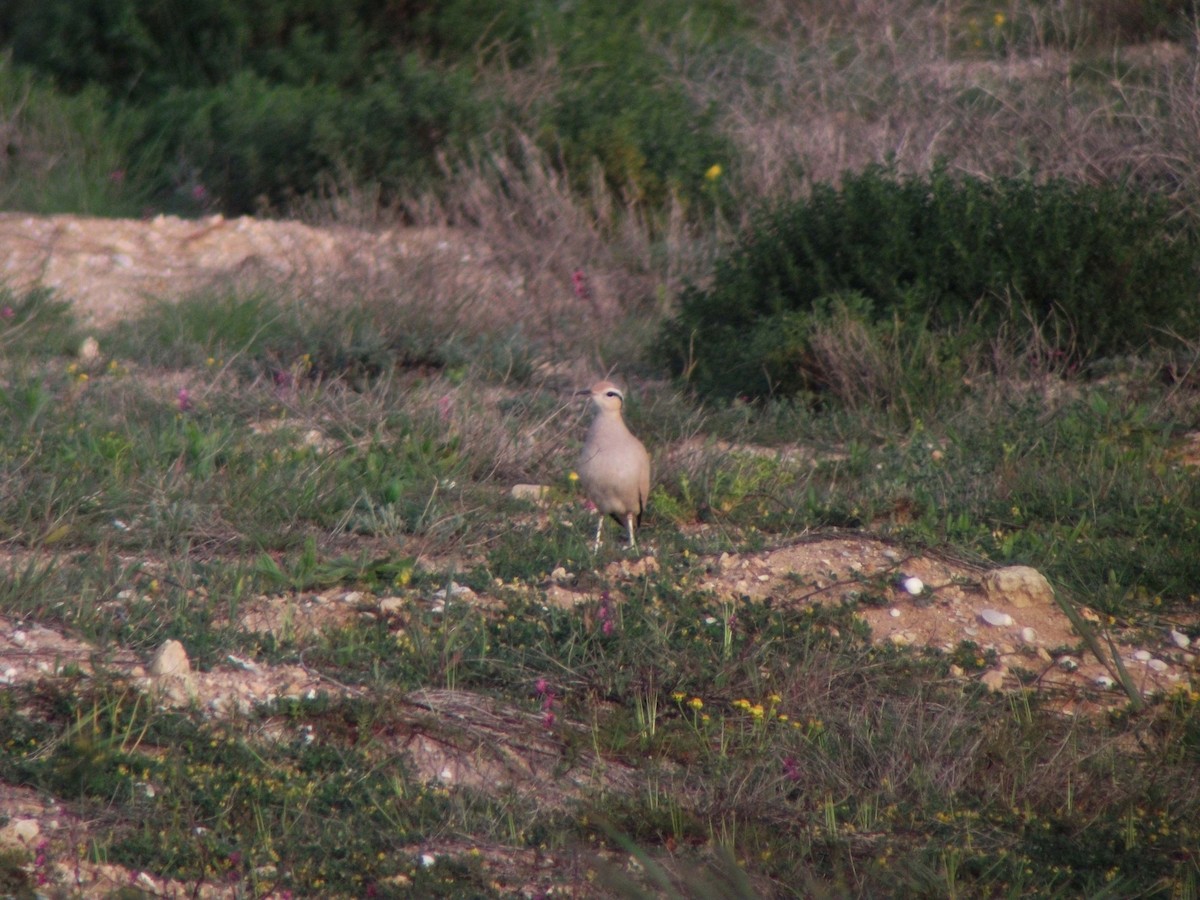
582,392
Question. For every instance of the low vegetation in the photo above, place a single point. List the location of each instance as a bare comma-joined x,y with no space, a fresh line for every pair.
948,251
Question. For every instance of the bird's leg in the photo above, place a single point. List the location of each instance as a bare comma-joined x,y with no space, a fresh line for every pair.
629,525
599,525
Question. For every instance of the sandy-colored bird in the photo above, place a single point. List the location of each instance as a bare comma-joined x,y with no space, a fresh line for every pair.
614,467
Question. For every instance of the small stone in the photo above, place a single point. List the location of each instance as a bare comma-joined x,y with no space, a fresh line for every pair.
1028,635
533,493
995,618
1105,682
913,585
560,576
170,660
390,606
993,679
894,613
1179,639
89,350
900,639
19,638
20,833
956,671
1068,664
1142,655
1158,665
1018,586
455,590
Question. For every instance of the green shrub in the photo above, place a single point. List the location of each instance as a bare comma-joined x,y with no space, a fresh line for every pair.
1104,268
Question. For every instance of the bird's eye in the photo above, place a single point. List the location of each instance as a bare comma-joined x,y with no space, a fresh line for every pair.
613,394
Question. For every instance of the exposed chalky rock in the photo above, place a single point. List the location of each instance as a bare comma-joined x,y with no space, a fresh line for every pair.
1018,586
170,660
993,679
171,673
995,618
1179,639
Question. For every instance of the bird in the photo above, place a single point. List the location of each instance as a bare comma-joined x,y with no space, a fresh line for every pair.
614,467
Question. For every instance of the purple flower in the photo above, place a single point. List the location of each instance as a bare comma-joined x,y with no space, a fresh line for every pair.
7,313
579,282
184,400
541,685
791,769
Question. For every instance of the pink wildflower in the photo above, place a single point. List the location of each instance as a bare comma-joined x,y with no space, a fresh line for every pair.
579,282
184,400
7,313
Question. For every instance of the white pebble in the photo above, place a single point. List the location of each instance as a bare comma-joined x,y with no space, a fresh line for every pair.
1028,635
1068,664
913,585
1180,640
1103,681
19,638
894,613
996,618
1142,655
1157,665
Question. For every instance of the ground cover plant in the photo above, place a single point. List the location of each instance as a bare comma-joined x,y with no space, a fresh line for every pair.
463,699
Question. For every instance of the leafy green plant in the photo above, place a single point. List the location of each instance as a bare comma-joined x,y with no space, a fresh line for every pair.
1104,268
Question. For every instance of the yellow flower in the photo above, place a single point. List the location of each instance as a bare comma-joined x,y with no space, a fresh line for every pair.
678,696
574,476
696,703
998,19
714,172
757,711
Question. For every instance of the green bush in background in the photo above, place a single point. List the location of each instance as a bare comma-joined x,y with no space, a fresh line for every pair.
238,104
1104,268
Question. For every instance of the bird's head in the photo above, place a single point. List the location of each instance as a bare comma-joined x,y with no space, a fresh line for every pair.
605,396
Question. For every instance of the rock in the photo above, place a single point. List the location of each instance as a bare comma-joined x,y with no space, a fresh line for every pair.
995,618
534,493
1068,664
89,350
390,606
1105,682
1142,655
171,660
20,833
1018,586
1028,635
1157,665
1179,639
894,613
456,590
913,585
993,679
900,639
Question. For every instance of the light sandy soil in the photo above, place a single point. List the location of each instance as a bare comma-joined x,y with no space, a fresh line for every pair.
109,268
